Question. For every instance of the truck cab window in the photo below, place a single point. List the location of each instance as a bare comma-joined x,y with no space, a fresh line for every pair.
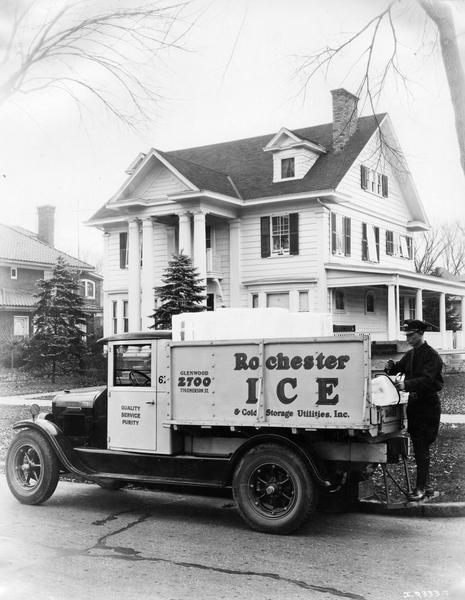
132,365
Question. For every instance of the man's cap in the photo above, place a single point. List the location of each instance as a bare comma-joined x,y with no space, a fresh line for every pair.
414,325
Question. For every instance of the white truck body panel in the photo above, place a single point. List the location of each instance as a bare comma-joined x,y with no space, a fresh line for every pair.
317,383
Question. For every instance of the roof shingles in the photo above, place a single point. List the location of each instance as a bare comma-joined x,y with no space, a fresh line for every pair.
242,165
20,246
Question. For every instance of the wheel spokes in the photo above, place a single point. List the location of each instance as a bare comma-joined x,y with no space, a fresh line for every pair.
28,467
272,489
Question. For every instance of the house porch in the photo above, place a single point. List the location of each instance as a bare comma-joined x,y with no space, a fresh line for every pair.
378,302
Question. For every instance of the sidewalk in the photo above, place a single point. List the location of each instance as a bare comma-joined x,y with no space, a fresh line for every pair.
43,399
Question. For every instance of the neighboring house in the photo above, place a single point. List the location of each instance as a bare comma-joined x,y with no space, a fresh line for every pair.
27,257
316,219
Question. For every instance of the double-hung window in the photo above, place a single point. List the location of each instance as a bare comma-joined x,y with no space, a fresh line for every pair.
373,181
399,245
340,235
279,235
88,288
114,316
287,168
123,250
370,243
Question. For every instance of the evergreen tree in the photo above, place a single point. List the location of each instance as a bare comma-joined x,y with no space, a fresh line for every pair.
182,291
57,344
431,314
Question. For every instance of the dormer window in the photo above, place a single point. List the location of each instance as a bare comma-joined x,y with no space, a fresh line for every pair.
287,168
293,156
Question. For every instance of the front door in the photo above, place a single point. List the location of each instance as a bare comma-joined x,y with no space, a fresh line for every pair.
132,408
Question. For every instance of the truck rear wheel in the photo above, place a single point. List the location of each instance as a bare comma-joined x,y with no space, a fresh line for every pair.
273,489
32,468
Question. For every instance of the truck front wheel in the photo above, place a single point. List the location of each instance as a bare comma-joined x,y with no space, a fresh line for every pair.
273,489
32,468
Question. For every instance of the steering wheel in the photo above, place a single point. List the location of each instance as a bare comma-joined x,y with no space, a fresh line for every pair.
139,377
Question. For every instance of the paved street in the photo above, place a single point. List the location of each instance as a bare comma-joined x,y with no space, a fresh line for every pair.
87,543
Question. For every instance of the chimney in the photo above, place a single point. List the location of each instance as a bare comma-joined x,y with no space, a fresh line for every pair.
344,117
46,224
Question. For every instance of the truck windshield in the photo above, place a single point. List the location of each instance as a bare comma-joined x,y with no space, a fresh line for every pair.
132,365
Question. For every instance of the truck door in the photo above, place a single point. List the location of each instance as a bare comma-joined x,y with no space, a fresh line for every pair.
132,408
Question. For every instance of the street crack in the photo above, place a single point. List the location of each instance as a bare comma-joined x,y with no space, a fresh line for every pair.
102,548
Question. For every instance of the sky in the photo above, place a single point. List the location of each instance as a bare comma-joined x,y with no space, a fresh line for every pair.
237,75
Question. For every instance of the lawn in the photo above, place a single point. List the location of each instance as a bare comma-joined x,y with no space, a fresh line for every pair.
447,471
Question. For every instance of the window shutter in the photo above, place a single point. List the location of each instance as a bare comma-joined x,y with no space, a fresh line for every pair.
347,240
333,233
364,242
123,245
376,229
385,186
294,233
363,177
265,236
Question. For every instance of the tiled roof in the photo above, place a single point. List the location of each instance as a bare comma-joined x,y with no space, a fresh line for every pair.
16,298
19,245
250,169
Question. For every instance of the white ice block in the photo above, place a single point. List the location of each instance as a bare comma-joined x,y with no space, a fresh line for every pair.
247,323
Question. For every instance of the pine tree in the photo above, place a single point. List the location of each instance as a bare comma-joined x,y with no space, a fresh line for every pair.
57,345
182,291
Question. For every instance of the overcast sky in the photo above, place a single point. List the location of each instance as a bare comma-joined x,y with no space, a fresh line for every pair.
236,78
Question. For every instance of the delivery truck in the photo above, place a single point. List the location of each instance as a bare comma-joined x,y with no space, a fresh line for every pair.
285,424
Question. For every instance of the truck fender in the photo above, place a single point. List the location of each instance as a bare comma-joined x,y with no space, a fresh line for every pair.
283,441
61,446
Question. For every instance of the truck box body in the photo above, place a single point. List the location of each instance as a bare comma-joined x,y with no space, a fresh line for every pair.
315,383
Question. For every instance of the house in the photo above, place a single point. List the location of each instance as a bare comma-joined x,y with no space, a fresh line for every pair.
315,219
26,258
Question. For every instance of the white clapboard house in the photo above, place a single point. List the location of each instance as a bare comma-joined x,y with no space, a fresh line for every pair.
315,219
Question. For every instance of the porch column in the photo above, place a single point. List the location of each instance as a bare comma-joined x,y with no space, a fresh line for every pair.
235,263
463,316
106,303
134,276
200,246
419,305
392,316
147,279
185,237
442,317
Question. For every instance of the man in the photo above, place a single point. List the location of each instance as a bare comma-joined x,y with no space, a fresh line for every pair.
422,367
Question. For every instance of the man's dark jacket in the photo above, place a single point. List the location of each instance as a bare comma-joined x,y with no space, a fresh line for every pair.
422,368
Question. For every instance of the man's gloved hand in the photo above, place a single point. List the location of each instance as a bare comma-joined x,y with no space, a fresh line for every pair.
400,385
388,366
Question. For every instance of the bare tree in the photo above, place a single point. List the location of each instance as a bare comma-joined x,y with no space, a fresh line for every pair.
380,35
441,249
85,52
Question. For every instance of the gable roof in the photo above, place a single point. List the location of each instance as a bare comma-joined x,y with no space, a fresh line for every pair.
251,169
242,169
19,245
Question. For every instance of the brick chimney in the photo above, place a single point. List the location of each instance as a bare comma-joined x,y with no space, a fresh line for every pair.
345,117
46,224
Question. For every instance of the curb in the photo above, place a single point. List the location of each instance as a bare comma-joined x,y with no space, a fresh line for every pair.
414,509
